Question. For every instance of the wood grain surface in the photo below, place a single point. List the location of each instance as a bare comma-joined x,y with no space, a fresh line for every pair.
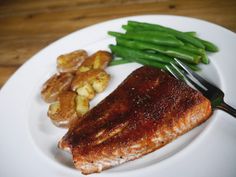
28,25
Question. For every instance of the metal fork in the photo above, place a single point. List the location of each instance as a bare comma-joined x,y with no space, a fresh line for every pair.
213,93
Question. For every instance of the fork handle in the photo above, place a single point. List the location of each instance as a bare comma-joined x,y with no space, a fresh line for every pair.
227,108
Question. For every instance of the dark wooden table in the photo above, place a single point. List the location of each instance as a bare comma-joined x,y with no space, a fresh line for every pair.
28,25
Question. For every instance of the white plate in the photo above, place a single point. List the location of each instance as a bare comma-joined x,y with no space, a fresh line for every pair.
29,140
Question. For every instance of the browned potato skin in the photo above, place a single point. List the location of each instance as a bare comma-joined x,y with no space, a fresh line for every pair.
69,105
65,111
56,85
86,77
70,62
98,60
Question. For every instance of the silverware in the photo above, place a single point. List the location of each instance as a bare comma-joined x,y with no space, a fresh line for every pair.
180,71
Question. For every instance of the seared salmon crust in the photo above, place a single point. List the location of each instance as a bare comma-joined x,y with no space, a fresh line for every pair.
149,109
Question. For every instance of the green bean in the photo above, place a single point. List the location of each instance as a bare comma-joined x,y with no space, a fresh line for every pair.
193,67
205,58
198,51
170,51
187,46
153,33
143,58
118,62
155,38
118,50
129,28
190,48
178,34
209,46
191,33
150,63
128,53
189,37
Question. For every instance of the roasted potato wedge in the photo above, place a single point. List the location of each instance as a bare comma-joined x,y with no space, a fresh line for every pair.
100,83
69,107
64,110
86,90
56,85
79,79
70,62
97,79
98,60
82,104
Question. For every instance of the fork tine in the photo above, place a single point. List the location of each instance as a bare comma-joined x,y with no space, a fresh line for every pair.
205,83
189,79
198,87
180,73
172,72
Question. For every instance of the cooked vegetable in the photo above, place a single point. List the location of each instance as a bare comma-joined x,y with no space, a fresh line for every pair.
142,57
205,58
178,34
98,60
150,63
193,49
137,56
89,82
152,37
129,28
55,85
70,62
118,62
170,51
128,53
191,33
86,90
209,46
64,110
100,82
159,45
187,46
82,104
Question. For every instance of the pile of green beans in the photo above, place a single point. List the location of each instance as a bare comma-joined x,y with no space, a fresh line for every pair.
156,45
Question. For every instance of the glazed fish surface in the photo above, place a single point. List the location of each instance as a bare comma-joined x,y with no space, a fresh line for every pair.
149,109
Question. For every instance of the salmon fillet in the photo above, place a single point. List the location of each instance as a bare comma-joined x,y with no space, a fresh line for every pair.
149,109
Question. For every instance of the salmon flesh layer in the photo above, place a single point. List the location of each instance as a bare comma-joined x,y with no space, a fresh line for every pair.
149,109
